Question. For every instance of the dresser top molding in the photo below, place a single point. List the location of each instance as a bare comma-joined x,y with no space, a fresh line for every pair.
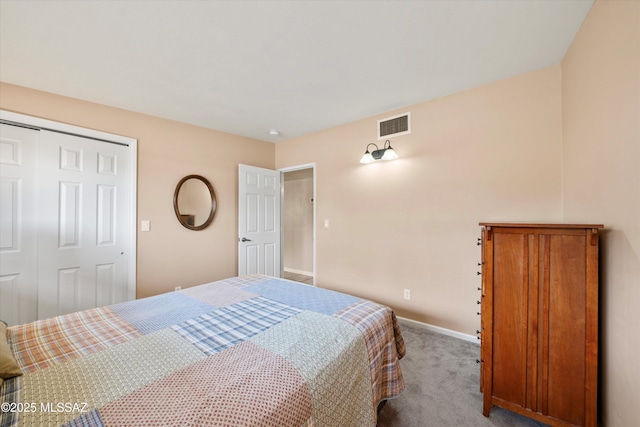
489,226
550,225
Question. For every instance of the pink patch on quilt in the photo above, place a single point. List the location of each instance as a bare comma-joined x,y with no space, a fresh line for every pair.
244,385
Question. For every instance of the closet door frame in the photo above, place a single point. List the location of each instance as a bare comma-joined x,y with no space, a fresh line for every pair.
132,143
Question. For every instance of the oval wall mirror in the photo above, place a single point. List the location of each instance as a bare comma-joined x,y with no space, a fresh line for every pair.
194,202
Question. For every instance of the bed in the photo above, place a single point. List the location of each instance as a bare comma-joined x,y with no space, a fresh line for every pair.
244,351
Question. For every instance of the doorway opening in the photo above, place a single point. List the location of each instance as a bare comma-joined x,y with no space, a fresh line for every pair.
299,223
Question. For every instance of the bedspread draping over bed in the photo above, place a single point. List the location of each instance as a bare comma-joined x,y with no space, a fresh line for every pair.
246,351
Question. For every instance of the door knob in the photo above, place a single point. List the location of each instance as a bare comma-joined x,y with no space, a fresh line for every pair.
244,239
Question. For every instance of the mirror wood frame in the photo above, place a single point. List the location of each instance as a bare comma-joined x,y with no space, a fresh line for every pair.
214,203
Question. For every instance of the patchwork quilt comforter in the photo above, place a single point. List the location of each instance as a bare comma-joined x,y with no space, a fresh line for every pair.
245,351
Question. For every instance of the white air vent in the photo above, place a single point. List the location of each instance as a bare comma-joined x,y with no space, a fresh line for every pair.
394,126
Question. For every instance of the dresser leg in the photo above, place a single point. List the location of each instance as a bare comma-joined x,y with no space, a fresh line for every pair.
486,407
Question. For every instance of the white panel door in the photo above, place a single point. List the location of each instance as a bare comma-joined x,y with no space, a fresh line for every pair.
84,237
258,221
18,236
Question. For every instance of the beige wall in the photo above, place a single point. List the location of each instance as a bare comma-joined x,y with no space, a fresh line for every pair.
488,154
169,255
601,183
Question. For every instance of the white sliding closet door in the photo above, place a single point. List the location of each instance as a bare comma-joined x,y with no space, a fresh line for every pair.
18,226
83,239
65,217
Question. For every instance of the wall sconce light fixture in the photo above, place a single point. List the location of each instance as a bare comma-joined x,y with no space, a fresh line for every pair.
384,153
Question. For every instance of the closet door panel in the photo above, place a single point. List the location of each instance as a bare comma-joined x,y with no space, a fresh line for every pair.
84,238
18,244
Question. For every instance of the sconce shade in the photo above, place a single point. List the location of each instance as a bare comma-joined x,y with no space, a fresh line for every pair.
389,154
367,158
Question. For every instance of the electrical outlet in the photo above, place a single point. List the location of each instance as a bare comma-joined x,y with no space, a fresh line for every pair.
407,294
177,288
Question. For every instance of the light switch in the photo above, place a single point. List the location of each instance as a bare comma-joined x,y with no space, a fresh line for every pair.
326,223
145,225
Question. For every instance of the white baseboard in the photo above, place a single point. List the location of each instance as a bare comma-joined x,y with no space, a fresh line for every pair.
294,271
471,338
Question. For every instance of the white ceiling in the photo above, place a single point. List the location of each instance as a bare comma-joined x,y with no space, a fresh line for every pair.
246,67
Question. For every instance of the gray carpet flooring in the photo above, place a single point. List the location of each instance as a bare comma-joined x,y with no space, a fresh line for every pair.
441,385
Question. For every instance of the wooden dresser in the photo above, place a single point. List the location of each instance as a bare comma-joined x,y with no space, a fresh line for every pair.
539,321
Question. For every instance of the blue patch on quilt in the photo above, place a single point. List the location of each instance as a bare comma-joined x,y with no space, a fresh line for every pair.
161,311
214,331
303,296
